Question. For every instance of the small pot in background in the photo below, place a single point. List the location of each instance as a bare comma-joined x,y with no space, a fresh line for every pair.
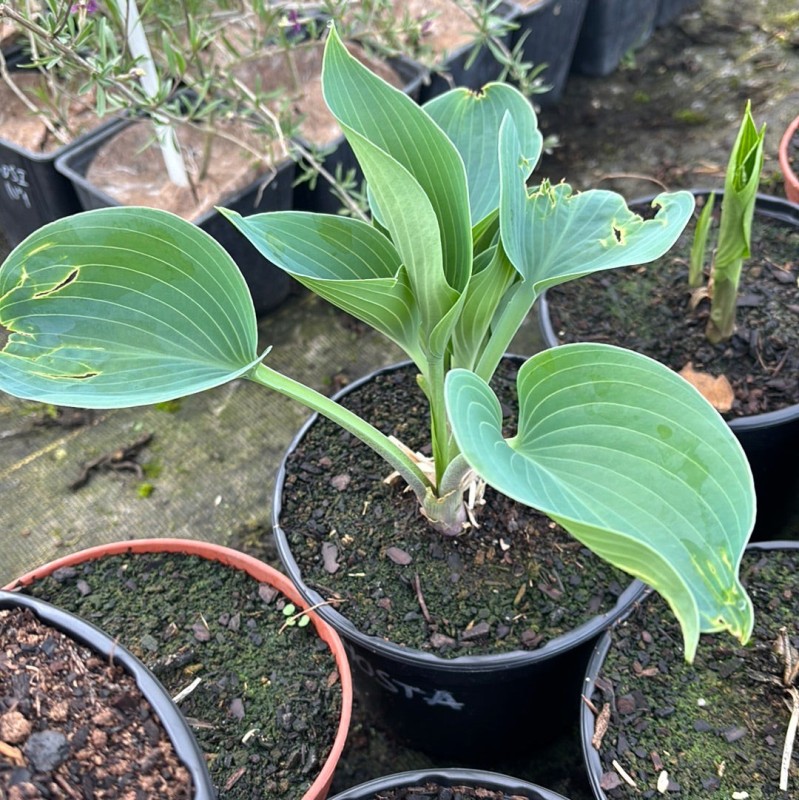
548,30
788,154
465,67
610,29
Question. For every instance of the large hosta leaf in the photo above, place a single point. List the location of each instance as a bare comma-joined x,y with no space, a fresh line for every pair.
121,307
553,235
472,121
632,461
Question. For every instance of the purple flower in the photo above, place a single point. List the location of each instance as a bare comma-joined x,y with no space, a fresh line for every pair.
89,6
294,20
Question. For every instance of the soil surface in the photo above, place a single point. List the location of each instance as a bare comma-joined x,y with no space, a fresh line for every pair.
299,70
716,728
266,730
129,167
18,124
73,725
513,582
652,310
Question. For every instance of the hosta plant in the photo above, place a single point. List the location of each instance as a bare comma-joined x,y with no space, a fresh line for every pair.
130,306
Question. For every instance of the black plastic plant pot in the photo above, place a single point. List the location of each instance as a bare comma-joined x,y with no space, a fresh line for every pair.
548,30
83,632
510,788
610,29
341,159
32,191
770,440
464,67
268,284
444,706
591,758
669,10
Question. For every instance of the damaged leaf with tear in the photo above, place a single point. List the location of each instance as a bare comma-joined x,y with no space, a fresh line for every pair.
126,306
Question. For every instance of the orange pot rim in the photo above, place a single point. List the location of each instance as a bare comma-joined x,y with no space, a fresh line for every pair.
791,178
259,571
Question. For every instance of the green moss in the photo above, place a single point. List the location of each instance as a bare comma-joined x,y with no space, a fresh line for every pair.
688,116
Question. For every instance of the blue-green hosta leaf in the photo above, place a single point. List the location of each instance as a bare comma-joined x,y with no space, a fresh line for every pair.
633,462
346,261
391,122
552,235
485,293
121,307
472,121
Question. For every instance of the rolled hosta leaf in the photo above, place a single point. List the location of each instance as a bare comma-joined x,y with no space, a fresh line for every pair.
633,462
122,307
552,235
472,121
380,119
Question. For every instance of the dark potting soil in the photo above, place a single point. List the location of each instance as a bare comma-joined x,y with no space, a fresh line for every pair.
716,727
74,725
646,309
514,583
267,706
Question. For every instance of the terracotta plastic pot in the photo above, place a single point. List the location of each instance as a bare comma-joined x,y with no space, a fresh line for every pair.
789,170
770,440
591,756
512,787
83,632
258,571
444,706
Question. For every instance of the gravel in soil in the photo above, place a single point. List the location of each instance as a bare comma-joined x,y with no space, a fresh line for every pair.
267,702
716,727
649,309
513,583
73,725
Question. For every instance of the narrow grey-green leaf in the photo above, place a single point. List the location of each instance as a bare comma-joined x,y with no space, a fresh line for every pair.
553,235
345,261
630,459
120,307
472,121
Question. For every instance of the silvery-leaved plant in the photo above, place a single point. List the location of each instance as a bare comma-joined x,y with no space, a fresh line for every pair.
131,306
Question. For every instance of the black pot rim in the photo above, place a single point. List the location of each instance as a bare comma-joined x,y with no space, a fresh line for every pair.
593,765
767,206
448,777
172,720
477,663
